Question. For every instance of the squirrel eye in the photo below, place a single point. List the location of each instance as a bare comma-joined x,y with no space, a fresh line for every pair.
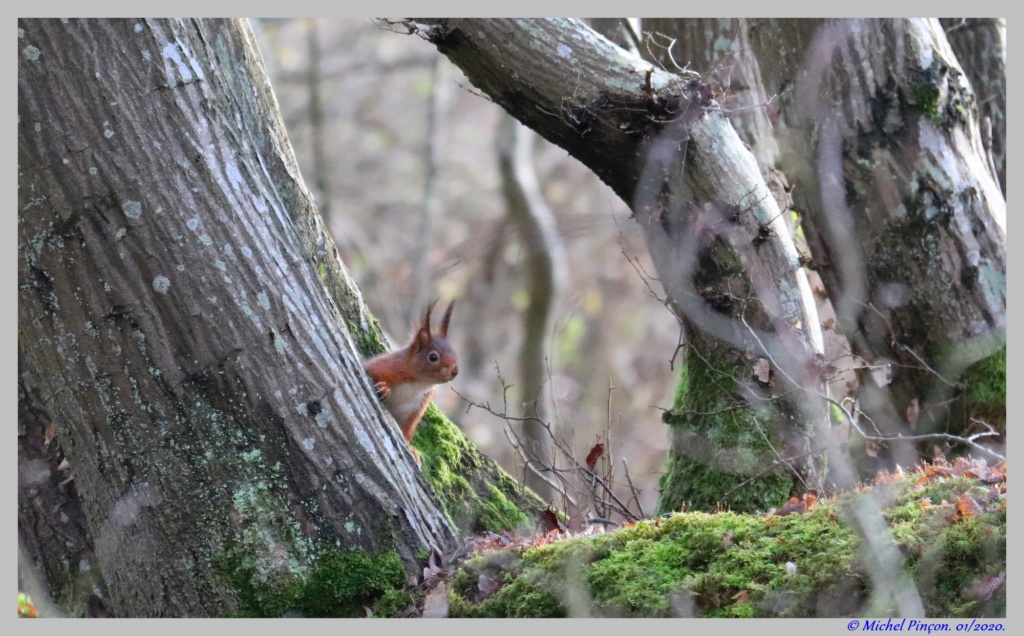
433,356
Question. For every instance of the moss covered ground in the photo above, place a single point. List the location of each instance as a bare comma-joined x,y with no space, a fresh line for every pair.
738,565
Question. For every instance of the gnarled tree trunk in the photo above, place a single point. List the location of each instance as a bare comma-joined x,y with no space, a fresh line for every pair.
174,330
723,250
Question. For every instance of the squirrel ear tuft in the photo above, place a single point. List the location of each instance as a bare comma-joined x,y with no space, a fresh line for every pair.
425,324
447,318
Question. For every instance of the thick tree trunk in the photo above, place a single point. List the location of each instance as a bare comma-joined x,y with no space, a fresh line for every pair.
906,223
718,239
198,376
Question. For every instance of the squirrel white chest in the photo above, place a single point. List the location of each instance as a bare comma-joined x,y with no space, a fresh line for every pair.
407,399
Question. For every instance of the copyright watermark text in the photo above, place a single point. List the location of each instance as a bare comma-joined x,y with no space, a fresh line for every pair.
918,625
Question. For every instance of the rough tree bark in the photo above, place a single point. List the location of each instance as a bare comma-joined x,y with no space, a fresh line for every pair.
182,325
717,237
980,47
905,221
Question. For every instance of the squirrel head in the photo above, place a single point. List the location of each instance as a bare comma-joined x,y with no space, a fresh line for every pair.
433,356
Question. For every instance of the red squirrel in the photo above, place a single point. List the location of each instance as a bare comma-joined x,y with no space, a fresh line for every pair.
405,379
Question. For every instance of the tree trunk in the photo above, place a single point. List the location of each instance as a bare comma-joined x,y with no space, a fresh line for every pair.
198,376
906,224
722,249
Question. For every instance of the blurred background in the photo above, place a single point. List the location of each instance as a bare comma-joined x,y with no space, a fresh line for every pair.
400,152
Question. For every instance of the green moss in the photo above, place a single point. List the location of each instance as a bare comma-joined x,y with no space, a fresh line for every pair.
498,513
985,384
926,101
735,565
717,444
392,603
496,503
341,583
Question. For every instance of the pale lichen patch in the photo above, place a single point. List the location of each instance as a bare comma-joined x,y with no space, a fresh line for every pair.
161,284
132,209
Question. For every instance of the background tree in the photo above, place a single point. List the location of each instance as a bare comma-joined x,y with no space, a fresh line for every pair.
721,242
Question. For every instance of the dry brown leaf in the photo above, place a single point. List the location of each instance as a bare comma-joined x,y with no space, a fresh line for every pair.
966,506
913,409
794,505
548,521
594,455
49,433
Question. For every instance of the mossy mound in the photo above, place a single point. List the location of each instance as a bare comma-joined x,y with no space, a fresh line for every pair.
733,565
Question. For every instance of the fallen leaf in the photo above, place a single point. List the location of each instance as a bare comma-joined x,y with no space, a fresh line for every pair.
828,324
435,603
762,370
433,567
966,506
795,505
988,585
486,585
991,495
913,409
881,373
548,521
49,434
64,465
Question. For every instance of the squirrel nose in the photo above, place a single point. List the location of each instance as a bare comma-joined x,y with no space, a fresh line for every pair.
455,370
